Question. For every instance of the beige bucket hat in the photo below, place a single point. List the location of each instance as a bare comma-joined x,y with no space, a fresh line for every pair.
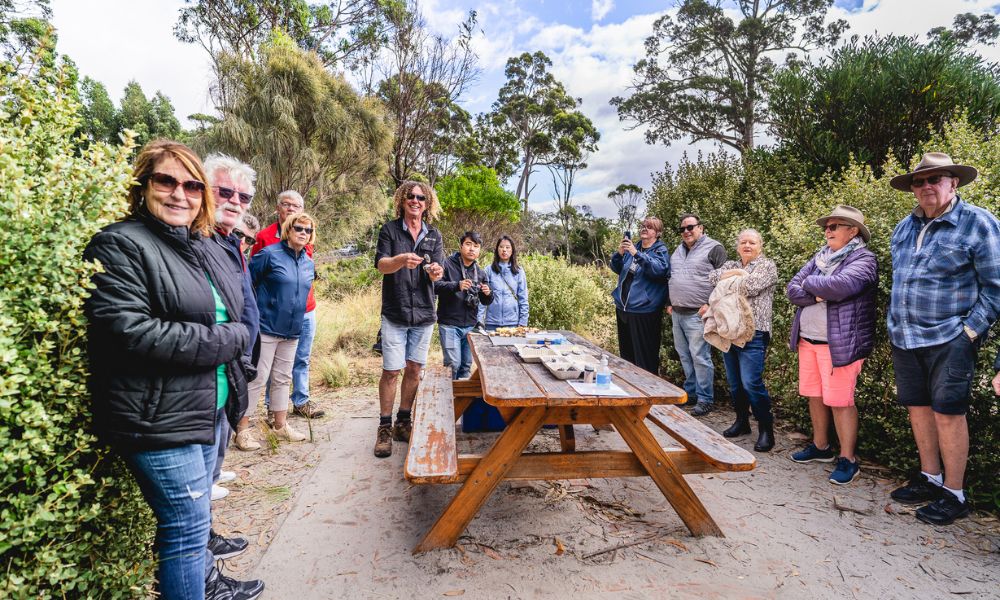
852,216
935,161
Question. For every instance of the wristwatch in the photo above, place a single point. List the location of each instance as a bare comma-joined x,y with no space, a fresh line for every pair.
970,332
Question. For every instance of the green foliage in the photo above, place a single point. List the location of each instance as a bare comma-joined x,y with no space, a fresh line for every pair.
472,199
969,28
880,96
148,119
565,296
340,278
304,128
24,28
705,75
72,522
764,192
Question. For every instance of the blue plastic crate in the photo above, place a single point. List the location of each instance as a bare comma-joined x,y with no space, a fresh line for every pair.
480,416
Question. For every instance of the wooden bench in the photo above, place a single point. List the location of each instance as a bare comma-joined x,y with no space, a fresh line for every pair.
707,443
432,456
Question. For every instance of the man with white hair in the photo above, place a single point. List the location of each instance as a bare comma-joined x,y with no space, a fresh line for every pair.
232,184
290,202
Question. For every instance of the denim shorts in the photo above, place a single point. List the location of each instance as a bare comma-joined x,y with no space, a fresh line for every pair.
937,376
401,343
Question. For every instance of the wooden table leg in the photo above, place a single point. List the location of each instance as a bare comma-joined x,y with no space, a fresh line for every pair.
663,471
483,480
567,438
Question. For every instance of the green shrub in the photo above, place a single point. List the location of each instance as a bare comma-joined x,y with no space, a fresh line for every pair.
757,193
346,276
565,296
72,523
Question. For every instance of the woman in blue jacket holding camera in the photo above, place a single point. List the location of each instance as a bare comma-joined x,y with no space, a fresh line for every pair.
643,272
510,289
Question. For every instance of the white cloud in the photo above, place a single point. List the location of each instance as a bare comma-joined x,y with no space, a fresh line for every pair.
600,9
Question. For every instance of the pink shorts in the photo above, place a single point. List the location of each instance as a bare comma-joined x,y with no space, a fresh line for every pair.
818,378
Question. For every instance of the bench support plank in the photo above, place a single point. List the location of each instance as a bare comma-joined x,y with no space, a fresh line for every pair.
667,476
591,464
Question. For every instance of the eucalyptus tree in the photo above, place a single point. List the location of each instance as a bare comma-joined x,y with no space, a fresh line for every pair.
626,198
705,75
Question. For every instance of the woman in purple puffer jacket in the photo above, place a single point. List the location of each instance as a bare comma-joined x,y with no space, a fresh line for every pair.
833,332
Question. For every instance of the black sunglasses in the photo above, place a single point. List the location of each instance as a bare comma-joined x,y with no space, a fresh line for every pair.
301,229
162,182
835,226
227,193
247,239
416,197
918,182
684,228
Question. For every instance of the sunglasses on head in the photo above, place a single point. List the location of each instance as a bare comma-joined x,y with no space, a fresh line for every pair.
301,229
162,182
684,228
416,197
918,182
835,226
227,194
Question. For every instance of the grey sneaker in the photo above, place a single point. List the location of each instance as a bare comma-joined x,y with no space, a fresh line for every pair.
701,409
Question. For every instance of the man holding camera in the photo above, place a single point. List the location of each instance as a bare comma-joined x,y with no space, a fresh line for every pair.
461,291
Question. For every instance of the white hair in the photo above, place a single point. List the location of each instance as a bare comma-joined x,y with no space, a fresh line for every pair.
239,171
750,231
293,195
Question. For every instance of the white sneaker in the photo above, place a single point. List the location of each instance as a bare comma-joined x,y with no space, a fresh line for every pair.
218,492
226,476
288,434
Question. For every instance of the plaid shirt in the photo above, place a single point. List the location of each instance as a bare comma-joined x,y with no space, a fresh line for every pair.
952,279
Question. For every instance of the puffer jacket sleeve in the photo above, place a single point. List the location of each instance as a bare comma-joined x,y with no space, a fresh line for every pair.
654,266
847,282
522,298
119,305
797,295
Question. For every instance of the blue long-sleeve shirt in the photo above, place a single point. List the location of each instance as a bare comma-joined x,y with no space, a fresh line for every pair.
945,275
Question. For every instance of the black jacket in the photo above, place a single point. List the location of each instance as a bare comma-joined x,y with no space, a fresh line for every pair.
452,309
152,338
408,294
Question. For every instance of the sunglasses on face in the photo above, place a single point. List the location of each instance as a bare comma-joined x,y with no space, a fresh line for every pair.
918,182
835,226
416,197
162,182
684,228
301,229
227,194
247,239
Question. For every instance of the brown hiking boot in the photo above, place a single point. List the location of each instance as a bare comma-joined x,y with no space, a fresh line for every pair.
308,410
401,431
383,441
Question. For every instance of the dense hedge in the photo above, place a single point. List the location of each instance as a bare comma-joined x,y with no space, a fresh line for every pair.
72,524
731,194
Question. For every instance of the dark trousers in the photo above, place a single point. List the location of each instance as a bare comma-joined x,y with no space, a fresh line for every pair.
745,372
639,336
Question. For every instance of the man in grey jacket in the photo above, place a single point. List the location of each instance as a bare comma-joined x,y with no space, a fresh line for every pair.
690,265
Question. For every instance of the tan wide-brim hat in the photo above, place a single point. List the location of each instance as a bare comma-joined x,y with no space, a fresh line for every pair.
935,161
852,216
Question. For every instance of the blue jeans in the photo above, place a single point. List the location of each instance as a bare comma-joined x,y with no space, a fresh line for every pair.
456,350
177,485
695,354
745,372
300,368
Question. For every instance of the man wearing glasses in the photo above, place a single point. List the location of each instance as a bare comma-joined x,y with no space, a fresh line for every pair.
689,289
291,203
945,297
409,256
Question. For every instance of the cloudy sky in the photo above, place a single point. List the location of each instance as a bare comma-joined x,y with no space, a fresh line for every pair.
592,43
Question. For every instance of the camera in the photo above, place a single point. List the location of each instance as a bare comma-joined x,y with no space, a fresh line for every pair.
472,298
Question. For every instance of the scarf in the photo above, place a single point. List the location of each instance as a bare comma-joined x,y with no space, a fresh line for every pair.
827,260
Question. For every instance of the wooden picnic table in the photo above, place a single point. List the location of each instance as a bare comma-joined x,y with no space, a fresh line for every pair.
528,396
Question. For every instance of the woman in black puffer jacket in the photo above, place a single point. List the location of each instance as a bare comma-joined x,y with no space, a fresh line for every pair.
165,346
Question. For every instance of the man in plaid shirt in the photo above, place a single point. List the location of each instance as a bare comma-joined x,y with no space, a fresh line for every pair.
945,297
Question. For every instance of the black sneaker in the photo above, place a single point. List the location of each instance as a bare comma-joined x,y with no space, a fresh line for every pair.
944,510
222,547
220,587
701,409
919,490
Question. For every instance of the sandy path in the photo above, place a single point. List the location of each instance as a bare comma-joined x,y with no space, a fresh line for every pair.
328,520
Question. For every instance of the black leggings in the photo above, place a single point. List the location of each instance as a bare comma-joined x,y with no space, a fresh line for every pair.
639,337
